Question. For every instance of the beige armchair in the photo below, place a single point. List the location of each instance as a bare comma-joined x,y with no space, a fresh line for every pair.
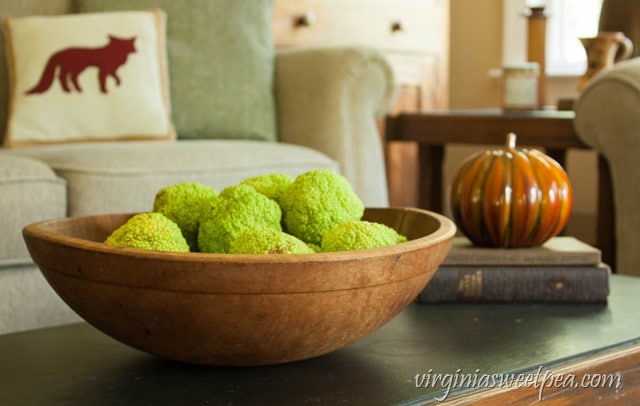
608,119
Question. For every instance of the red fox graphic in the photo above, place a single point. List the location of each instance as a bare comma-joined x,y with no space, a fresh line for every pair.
72,61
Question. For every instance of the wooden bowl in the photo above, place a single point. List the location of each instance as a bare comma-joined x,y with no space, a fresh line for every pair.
226,309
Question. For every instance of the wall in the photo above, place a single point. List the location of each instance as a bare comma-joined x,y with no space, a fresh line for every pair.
476,47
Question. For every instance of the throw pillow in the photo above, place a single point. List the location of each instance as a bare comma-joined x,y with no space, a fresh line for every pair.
88,77
221,64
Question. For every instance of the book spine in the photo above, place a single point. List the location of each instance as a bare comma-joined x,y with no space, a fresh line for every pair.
575,284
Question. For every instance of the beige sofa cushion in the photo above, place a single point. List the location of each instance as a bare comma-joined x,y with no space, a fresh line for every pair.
30,192
29,302
117,177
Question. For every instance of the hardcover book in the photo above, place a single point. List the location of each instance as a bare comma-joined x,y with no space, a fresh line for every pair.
564,269
577,284
557,251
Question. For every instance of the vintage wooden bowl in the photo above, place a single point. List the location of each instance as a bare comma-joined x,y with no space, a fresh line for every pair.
224,309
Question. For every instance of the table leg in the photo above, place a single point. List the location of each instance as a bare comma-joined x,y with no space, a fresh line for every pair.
430,175
606,239
559,155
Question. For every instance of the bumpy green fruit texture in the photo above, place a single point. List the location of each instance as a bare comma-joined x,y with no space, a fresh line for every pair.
186,204
271,185
237,208
316,202
357,235
263,240
314,247
151,231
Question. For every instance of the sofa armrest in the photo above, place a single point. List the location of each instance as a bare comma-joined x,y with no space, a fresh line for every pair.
328,99
608,119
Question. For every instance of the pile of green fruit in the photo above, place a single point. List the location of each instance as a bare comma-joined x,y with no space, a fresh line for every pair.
318,211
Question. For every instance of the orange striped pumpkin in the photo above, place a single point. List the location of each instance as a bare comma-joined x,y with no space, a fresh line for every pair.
511,197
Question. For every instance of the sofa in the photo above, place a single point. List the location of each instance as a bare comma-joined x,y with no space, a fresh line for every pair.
607,118
326,101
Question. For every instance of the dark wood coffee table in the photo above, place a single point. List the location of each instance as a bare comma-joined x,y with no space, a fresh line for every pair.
78,365
548,129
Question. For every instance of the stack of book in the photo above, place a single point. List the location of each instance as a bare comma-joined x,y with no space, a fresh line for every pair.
564,269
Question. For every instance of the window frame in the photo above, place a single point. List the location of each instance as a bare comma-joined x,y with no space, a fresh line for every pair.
514,45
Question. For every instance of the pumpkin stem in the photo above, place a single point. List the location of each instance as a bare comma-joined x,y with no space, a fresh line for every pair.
511,141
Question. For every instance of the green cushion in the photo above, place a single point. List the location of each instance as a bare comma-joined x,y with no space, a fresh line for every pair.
221,65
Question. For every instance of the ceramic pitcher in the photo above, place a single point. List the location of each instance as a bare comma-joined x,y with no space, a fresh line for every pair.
603,50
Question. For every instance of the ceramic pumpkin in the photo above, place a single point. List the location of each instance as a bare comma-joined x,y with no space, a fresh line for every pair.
511,197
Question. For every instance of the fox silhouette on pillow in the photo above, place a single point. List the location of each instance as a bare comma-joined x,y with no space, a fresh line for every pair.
71,62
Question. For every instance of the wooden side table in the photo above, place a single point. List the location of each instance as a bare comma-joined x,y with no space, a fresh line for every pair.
552,130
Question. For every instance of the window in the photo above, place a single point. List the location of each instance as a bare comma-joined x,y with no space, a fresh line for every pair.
567,21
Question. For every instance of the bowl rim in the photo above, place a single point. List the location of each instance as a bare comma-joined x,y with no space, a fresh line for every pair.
446,230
